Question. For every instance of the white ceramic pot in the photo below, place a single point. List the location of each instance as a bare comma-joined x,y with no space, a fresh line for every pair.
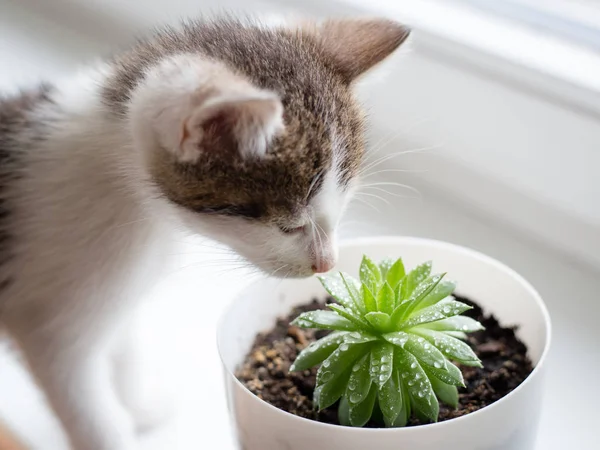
509,424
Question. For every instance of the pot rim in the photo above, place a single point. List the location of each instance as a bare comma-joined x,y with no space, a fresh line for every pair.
362,241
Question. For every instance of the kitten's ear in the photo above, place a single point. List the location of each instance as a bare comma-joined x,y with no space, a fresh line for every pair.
356,45
246,123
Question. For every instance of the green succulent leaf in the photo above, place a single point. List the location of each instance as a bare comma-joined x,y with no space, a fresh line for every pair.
398,314
379,320
328,393
361,412
414,278
405,309
425,352
423,290
359,337
418,385
368,299
445,392
318,351
398,292
451,375
360,381
457,334
344,412
382,359
336,287
370,275
327,320
390,398
347,314
439,311
384,267
353,287
386,299
398,338
396,273
457,323
427,408
444,289
406,410
341,359
453,348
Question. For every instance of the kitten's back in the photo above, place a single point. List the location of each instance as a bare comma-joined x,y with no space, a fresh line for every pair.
19,129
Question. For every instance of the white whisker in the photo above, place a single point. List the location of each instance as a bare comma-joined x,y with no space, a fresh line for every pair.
379,172
391,183
387,138
395,194
395,155
356,198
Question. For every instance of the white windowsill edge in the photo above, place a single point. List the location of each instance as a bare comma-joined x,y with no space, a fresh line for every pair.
536,60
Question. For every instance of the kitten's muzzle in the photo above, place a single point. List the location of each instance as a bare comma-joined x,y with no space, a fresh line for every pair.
323,266
324,256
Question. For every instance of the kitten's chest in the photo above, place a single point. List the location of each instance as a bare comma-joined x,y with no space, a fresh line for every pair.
89,239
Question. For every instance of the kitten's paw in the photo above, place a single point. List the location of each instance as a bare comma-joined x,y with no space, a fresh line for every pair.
148,398
153,410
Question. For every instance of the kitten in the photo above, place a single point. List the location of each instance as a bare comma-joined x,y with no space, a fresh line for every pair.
247,135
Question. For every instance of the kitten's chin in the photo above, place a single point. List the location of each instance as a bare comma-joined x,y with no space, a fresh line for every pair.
282,274
296,275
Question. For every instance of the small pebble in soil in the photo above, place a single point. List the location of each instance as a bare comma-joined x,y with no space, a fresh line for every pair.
265,372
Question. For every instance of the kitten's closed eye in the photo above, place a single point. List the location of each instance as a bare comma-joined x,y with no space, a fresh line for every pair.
291,230
249,211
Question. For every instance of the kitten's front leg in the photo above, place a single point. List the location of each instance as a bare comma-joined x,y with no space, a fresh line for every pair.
140,381
78,386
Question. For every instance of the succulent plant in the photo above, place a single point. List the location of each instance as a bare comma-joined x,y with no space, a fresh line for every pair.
393,336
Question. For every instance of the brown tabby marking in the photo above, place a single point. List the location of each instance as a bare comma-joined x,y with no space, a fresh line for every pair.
311,76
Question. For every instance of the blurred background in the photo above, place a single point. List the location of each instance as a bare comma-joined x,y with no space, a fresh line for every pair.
490,117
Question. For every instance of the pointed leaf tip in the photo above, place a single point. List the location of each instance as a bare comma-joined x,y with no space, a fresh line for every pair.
328,320
318,351
395,273
386,299
370,274
342,291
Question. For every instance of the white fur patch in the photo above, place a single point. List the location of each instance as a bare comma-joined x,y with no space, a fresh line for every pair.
185,91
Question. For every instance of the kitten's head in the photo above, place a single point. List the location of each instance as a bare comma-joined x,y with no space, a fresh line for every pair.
253,133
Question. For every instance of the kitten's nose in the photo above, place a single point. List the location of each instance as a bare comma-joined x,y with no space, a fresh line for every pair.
323,265
324,251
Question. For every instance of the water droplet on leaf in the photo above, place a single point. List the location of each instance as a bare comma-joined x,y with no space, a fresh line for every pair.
327,376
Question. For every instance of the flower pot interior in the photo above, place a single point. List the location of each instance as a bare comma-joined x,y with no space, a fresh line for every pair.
478,277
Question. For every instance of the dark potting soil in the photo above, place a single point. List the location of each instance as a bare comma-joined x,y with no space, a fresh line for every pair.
265,371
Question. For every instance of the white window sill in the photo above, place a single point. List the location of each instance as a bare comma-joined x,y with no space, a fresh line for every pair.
479,38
